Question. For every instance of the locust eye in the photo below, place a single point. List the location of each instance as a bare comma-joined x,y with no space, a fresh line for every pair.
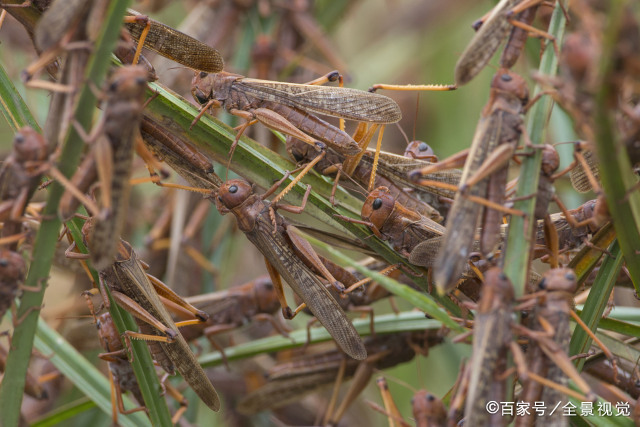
19,138
431,397
98,324
543,284
4,263
141,80
506,77
298,156
200,97
570,276
233,189
377,203
423,146
203,74
220,199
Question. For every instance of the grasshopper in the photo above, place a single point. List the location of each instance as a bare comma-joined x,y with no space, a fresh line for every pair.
139,294
331,165
289,107
283,249
408,232
19,177
428,410
172,43
122,375
493,144
113,149
547,354
493,31
291,381
491,340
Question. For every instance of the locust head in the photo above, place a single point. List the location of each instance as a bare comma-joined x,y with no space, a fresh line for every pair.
378,207
202,87
420,150
266,296
559,280
29,146
233,193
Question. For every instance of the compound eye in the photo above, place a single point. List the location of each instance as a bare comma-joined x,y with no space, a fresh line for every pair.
543,284
200,97
203,74
423,146
377,203
233,189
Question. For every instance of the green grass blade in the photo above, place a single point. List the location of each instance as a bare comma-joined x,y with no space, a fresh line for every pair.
64,413
517,257
13,107
596,302
385,324
45,242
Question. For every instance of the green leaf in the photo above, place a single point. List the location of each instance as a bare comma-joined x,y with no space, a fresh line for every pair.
390,323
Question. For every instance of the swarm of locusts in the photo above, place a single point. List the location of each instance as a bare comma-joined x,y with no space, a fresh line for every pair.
154,207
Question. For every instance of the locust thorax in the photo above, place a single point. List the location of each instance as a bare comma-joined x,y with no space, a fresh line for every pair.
378,207
29,146
550,160
497,291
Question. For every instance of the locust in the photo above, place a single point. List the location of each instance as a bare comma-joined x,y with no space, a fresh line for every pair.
331,165
19,177
408,232
234,308
428,410
122,376
140,294
182,157
113,145
483,177
14,270
492,338
284,252
172,43
491,34
290,108
547,354
288,382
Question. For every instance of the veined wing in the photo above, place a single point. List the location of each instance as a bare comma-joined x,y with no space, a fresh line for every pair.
177,46
485,43
304,283
347,103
